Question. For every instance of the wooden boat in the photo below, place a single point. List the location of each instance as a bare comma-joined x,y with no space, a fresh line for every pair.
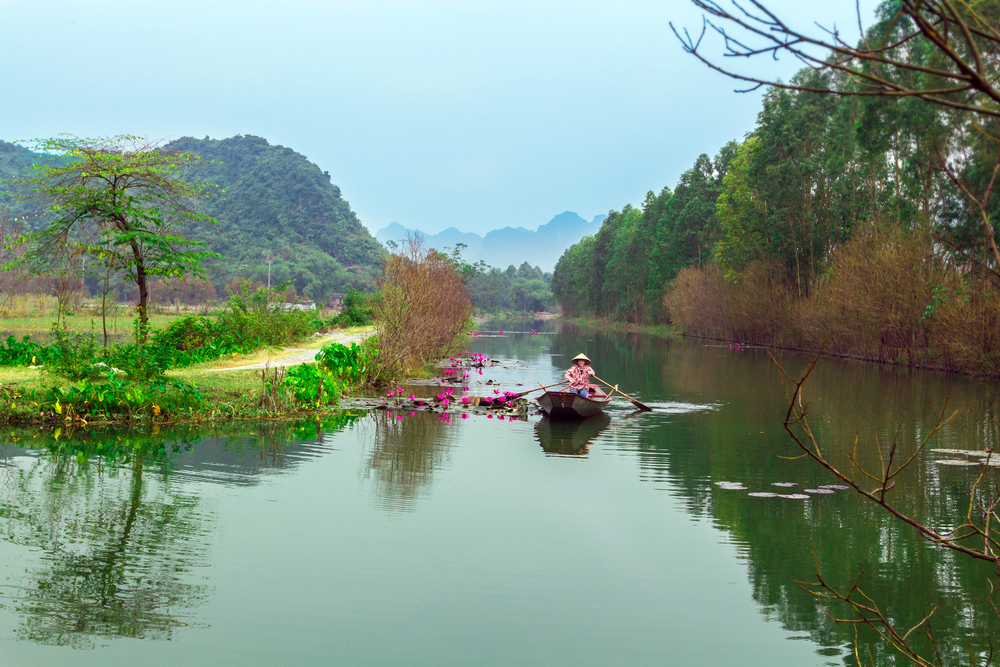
566,405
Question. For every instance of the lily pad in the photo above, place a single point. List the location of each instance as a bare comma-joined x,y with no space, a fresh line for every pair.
784,483
763,494
840,487
731,486
957,462
818,490
794,496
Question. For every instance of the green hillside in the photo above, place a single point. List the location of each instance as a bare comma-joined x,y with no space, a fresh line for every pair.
15,163
275,202
270,202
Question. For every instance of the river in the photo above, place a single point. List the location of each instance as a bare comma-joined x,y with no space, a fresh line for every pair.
391,539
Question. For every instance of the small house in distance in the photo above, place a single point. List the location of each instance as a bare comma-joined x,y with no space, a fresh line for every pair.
300,305
335,301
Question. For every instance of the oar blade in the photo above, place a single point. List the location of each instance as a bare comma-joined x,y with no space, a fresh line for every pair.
641,406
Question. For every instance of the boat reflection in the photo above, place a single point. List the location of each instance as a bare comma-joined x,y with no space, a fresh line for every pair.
569,438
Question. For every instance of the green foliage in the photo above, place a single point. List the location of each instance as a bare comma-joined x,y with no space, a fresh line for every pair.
25,352
341,361
818,171
312,385
280,205
260,316
356,309
124,202
72,355
115,400
271,203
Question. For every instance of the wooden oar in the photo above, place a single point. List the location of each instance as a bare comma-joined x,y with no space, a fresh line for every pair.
641,406
541,387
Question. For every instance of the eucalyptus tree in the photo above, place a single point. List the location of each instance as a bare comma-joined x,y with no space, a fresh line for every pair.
939,56
128,199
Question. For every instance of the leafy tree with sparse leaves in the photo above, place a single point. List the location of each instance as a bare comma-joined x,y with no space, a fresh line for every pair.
127,199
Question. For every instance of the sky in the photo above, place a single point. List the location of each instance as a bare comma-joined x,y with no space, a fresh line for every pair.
434,114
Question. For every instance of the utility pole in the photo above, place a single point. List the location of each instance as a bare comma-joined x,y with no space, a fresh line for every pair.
268,257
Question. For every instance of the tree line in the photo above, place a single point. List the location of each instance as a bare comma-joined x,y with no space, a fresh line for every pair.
847,211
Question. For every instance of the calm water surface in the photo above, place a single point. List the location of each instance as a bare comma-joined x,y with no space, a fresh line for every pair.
373,540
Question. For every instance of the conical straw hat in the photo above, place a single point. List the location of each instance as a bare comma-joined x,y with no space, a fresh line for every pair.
582,356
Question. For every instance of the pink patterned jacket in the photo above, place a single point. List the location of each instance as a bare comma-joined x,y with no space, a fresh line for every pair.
579,378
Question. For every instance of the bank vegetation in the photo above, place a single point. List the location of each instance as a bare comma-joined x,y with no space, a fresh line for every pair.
844,215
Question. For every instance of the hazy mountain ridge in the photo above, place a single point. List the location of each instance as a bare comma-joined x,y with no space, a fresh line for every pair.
510,245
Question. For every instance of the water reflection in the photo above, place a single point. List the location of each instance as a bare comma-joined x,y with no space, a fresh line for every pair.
120,530
403,451
569,438
728,426
118,545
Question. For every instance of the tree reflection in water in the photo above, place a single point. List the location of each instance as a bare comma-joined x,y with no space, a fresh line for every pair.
118,543
403,452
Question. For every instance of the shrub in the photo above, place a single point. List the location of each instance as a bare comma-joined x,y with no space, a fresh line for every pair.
259,317
422,309
312,385
341,361
72,355
25,352
356,309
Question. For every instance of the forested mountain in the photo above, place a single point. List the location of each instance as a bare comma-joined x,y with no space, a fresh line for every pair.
272,204
278,205
509,246
15,163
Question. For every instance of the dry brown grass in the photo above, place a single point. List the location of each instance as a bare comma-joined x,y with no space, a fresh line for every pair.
885,296
422,308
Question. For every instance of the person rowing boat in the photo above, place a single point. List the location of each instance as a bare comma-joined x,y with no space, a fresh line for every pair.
579,376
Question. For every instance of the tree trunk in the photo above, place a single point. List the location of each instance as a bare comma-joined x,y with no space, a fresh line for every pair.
140,282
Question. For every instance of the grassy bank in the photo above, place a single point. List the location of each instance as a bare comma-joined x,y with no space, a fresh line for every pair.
189,368
600,324
200,393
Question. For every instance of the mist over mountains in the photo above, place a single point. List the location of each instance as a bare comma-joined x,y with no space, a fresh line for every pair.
510,245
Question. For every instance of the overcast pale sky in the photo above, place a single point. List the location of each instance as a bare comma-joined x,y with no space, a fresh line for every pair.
433,114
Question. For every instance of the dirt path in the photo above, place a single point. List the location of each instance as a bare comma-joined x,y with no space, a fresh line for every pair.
301,355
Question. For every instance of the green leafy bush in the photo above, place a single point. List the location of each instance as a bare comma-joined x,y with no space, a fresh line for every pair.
118,399
312,385
256,316
24,352
356,309
341,361
72,355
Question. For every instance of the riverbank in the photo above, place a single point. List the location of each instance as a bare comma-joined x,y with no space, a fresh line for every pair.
241,386
599,324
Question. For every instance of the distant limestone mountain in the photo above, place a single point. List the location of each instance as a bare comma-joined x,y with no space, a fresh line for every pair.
449,238
511,245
